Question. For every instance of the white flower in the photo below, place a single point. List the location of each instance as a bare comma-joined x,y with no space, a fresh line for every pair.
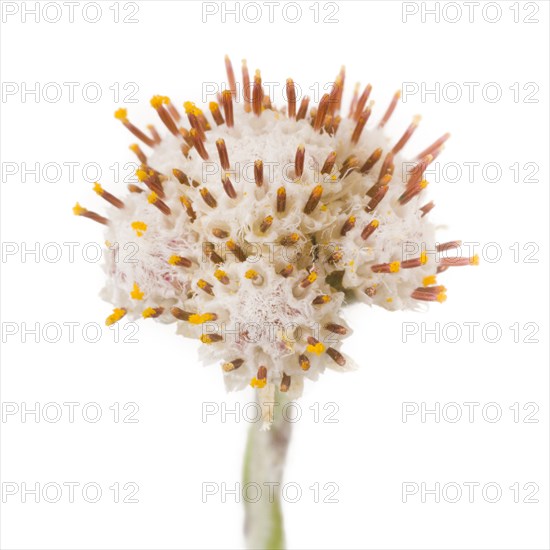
254,226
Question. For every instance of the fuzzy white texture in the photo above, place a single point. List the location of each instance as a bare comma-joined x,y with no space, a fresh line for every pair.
267,323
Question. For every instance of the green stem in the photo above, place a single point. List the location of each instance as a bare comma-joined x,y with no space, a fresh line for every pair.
264,467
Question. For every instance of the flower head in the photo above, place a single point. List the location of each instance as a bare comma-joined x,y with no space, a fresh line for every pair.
254,225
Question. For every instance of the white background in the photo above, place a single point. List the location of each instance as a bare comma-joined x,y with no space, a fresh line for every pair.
370,452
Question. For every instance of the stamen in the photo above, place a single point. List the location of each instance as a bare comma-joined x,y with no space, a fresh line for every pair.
329,163
228,188
369,229
299,161
436,145
286,271
314,346
261,378
348,225
136,149
134,188
107,196
152,312
406,136
430,294
154,133
237,250
179,261
322,109
221,275
354,99
335,94
222,152
220,233
336,329
266,223
415,175
448,246
198,144
210,338
303,361
429,280
335,257
247,96
309,280
174,113
208,198
362,102
153,199
230,76
285,383
371,161
289,240
387,166
216,114
117,315
207,287
291,98
81,211
370,291
302,111
121,114
281,199
151,180
411,192
259,172
188,205
390,267
257,95
361,121
349,164
232,365
336,356
426,208
459,261
321,299
181,177
375,201
227,104
415,262
158,102
391,109
314,199
210,251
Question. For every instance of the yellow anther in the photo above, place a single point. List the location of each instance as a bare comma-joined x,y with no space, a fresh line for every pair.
205,339
251,274
312,277
158,100
323,207
375,223
318,348
394,267
255,383
141,174
121,114
423,184
78,210
136,293
441,297
134,147
423,258
97,188
220,274
389,300
185,201
201,283
326,298
474,260
152,198
429,280
139,228
148,312
213,106
173,260
198,319
117,315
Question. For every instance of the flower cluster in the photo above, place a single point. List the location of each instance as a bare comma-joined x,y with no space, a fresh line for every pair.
255,224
